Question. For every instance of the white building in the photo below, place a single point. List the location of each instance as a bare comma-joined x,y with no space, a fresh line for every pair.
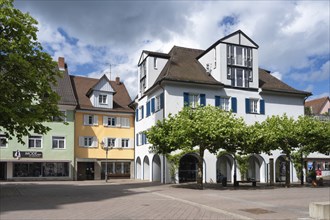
227,75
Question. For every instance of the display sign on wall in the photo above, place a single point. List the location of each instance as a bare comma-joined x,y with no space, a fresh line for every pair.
27,154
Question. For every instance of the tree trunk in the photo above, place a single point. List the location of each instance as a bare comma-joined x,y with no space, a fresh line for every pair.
200,168
287,170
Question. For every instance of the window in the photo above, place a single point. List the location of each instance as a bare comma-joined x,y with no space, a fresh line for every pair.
3,140
125,122
103,99
239,56
60,118
35,141
143,70
239,77
255,106
159,102
143,85
44,169
87,141
58,142
224,103
193,100
111,142
141,112
111,121
155,63
90,120
125,142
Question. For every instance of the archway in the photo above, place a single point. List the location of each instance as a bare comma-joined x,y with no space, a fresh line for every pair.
225,167
280,169
256,165
188,168
146,168
156,169
138,168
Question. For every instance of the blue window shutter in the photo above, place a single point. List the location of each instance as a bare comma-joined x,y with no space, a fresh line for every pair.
148,108
137,139
162,100
202,99
234,104
262,106
144,138
136,114
142,113
186,99
217,101
247,106
153,105
143,135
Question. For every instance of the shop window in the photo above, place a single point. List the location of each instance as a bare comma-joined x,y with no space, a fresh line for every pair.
41,169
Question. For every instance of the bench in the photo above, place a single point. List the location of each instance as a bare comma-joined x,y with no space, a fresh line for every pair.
254,182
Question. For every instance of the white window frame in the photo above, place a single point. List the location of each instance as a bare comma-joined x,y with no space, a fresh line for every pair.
103,99
58,139
225,103
109,140
194,100
247,56
35,139
254,106
125,143
111,119
157,103
140,112
125,123
232,72
3,141
90,120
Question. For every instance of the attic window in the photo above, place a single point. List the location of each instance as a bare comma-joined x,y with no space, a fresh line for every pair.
103,99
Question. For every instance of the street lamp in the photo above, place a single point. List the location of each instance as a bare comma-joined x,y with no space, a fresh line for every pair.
106,148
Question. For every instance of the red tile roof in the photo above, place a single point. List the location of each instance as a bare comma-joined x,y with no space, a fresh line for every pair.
317,104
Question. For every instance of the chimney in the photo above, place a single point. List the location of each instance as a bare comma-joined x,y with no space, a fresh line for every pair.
117,80
61,64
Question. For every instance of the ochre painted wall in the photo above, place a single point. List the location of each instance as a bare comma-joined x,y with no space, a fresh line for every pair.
101,132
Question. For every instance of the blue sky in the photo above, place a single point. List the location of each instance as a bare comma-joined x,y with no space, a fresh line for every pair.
293,36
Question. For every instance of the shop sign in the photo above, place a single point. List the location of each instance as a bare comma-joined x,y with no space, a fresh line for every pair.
27,154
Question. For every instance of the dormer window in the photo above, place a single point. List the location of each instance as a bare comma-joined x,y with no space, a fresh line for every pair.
239,56
103,99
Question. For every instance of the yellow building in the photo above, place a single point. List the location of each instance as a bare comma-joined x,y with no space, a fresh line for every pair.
103,121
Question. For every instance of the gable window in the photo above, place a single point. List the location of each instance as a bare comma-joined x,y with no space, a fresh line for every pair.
58,142
3,140
255,106
103,99
90,120
239,56
35,141
125,142
60,118
142,85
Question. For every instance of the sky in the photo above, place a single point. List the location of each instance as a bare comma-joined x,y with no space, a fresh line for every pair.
95,36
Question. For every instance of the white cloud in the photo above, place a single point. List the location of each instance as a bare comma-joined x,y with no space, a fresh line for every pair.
289,33
278,75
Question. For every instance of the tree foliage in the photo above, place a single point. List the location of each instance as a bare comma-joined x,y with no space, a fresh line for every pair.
26,74
202,128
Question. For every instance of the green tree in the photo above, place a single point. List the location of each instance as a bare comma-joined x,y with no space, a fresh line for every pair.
279,133
202,128
26,75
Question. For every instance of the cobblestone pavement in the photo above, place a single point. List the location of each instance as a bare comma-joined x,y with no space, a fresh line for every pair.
130,199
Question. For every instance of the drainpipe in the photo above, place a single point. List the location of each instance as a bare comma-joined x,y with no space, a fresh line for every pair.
164,158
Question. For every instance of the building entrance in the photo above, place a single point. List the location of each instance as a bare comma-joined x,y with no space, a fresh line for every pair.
3,169
86,171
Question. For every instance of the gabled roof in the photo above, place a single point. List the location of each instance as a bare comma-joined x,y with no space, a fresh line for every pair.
104,77
152,54
82,85
317,104
64,89
239,32
267,82
184,67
